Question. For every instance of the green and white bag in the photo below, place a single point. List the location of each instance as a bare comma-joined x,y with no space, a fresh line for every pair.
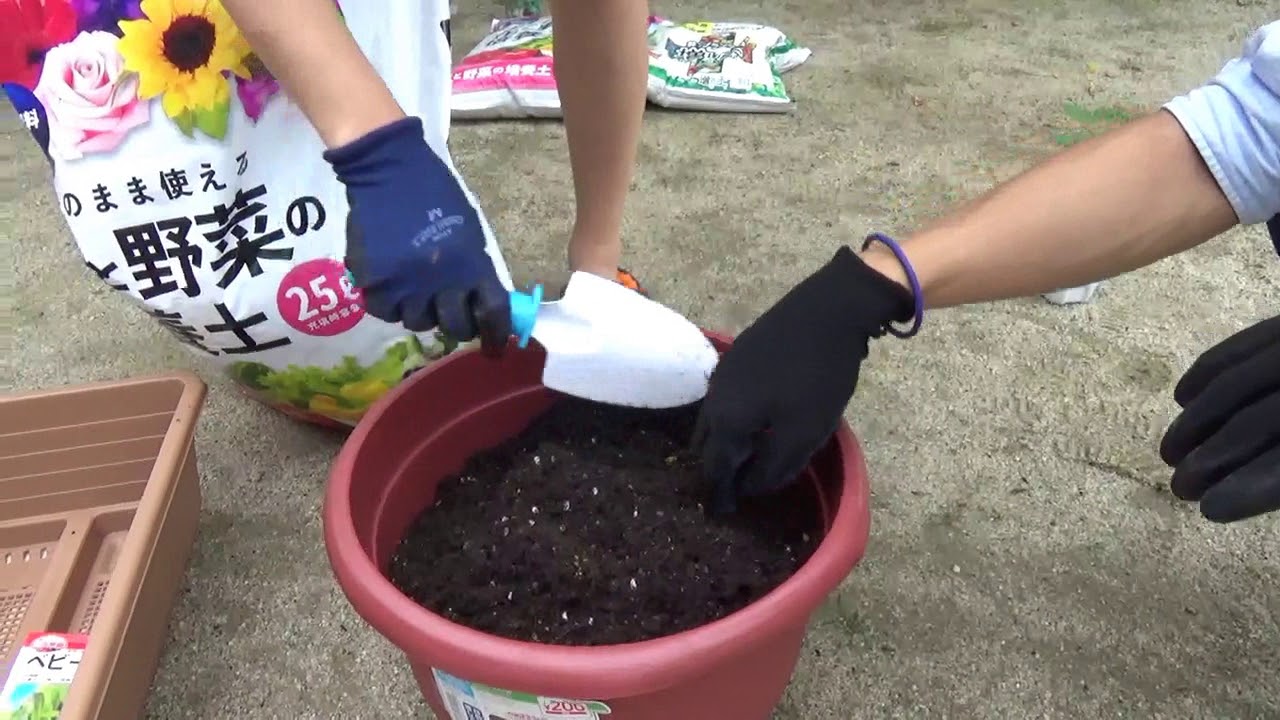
721,66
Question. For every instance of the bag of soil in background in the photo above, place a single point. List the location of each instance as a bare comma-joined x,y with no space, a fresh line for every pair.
197,190
508,74
721,67
511,72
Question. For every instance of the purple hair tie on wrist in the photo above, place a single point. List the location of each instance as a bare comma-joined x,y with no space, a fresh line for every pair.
916,293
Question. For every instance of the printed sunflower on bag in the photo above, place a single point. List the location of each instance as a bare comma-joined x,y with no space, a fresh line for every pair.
183,51
81,72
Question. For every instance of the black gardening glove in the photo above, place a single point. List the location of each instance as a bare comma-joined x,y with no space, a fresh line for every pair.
1225,444
779,392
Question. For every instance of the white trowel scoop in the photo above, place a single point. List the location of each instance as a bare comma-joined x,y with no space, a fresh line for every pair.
610,344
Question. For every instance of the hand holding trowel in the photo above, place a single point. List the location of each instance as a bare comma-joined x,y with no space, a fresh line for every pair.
607,343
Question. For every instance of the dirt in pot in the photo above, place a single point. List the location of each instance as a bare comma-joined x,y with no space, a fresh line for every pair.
589,529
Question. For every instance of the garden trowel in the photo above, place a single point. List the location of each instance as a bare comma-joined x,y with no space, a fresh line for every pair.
607,343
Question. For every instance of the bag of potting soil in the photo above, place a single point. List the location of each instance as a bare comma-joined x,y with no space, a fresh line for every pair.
197,190
725,67
508,74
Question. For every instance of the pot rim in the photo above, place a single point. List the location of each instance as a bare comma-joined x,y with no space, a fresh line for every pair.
603,671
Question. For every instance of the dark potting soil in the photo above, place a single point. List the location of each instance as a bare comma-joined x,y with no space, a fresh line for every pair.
589,529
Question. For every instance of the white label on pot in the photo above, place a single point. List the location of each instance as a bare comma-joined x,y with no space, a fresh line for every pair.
472,701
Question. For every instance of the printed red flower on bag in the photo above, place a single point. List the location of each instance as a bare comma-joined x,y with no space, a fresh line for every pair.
31,28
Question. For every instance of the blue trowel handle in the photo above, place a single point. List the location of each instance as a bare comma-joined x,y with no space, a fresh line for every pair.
524,313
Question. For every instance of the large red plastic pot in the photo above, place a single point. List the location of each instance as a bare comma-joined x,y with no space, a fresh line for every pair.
736,668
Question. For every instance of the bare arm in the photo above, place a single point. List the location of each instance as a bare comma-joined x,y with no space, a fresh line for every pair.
1148,190
602,69
1104,207
314,58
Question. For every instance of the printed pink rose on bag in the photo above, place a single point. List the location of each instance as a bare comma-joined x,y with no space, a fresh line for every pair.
92,103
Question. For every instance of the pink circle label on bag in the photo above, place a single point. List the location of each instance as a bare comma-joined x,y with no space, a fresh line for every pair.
317,298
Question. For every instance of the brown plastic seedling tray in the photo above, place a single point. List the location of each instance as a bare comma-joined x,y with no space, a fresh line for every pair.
99,504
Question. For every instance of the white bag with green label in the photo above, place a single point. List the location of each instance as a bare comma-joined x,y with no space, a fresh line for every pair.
721,66
198,191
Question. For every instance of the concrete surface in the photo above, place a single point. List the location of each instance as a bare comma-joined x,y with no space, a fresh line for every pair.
1027,559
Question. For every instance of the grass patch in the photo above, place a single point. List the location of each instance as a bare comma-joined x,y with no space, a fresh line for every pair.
1085,122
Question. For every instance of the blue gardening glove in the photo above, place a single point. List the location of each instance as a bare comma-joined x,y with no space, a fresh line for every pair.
415,246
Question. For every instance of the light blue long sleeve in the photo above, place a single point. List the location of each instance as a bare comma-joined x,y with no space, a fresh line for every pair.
1234,121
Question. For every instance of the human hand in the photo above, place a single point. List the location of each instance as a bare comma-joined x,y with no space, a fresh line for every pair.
1225,444
779,392
415,245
